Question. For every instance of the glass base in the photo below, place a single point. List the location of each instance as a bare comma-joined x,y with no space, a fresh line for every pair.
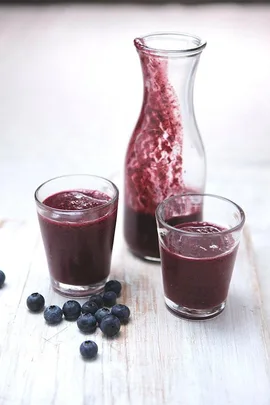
195,314
78,290
146,258
151,259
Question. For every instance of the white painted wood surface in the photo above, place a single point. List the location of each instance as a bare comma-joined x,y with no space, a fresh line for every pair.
70,93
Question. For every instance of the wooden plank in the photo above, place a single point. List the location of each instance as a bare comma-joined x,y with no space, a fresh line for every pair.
81,56
157,359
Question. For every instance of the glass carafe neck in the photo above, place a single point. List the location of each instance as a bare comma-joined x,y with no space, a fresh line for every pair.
169,63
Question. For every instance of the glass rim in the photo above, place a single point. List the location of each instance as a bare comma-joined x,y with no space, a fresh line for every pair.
193,234
84,210
141,46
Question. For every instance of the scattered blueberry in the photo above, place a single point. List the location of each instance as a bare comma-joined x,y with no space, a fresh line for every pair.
87,323
53,314
110,325
35,302
89,307
2,278
72,310
121,311
89,349
109,298
99,315
113,285
97,299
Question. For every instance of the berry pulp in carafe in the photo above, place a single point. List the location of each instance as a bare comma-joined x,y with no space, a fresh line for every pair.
153,167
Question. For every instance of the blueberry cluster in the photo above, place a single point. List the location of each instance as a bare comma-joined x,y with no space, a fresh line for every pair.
93,313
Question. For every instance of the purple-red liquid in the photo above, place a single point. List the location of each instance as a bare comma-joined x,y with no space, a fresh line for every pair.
197,270
79,252
153,167
141,232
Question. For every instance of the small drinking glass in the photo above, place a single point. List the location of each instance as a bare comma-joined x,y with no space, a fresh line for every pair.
197,258
77,217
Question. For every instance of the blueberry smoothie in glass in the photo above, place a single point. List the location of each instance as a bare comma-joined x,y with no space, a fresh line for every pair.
197,258
197,271
77,226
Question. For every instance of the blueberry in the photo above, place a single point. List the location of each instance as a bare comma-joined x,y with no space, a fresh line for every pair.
113,285
121,311
89,349
110,325
53,314
2,278
97,299
89,307
87,323
109,298
35,302
99,315
72,310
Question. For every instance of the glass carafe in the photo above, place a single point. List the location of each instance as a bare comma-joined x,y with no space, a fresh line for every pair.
165,155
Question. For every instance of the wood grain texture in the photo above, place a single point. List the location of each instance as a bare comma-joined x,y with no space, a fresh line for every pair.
157,359
70,94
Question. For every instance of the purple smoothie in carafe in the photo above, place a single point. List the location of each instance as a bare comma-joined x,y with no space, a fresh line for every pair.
154,165
79,252
197,271
141,231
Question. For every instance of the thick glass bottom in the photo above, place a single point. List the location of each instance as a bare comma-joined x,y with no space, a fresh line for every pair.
151,259
78,290
147,258
195,314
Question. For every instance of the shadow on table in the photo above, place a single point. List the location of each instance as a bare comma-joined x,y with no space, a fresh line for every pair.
235,317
